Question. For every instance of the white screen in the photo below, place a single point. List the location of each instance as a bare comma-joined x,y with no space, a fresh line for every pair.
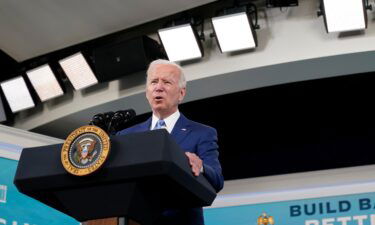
45,83
78,71
344,15
233,32
180,43
17,94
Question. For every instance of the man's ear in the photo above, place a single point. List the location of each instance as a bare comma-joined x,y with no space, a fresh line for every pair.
182,94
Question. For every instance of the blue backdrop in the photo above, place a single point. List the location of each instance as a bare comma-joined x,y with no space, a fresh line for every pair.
20,209
357,209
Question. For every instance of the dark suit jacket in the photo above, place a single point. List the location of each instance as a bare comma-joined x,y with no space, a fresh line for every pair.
201,140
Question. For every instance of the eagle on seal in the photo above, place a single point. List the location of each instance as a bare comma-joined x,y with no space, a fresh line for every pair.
85,149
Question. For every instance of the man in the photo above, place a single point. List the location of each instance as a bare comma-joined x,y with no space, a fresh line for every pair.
165,89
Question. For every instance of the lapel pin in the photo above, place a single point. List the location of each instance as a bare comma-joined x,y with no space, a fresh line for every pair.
183,129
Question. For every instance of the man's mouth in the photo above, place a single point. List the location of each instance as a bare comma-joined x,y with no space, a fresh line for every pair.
158,98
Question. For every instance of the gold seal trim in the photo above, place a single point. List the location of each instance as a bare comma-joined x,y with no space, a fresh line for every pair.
67,148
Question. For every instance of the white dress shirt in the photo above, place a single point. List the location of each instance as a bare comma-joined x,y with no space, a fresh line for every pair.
170,121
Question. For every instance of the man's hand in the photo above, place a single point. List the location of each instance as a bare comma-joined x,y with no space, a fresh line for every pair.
195,163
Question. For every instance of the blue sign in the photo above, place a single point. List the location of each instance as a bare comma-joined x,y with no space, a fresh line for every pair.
17,208
356,209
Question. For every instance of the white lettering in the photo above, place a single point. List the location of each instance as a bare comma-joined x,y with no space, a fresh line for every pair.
344,220
328,221
360,219
311,222
4,222
372,219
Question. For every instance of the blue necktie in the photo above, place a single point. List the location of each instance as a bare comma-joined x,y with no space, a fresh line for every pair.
160,124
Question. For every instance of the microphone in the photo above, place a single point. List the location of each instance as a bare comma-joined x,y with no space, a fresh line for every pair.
120,120
112,122
102,120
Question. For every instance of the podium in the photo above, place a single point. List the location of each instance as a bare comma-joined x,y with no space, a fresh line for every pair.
144,174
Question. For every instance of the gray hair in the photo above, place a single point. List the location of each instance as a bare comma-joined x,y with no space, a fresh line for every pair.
182,81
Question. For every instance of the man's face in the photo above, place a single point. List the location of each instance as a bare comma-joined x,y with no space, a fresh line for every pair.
163,91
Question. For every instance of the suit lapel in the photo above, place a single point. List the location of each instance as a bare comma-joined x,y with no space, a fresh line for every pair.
181,129
145,126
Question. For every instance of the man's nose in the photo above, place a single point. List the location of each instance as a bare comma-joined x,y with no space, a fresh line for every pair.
159,86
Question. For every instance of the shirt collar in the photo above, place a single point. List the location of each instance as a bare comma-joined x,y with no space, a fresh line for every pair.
170,121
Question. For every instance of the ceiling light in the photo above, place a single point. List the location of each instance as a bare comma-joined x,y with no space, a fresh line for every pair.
17,94
44,82
234,32
181,43
344,16
78,71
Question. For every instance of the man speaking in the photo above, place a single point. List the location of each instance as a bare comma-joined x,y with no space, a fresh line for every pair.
165,89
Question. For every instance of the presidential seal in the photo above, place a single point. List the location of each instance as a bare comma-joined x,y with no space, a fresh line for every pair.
85,150
265,219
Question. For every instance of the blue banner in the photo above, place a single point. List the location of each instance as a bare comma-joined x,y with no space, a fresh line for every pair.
357,209
16,208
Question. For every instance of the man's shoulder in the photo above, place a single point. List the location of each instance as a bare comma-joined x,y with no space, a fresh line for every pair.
133,129
200,126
